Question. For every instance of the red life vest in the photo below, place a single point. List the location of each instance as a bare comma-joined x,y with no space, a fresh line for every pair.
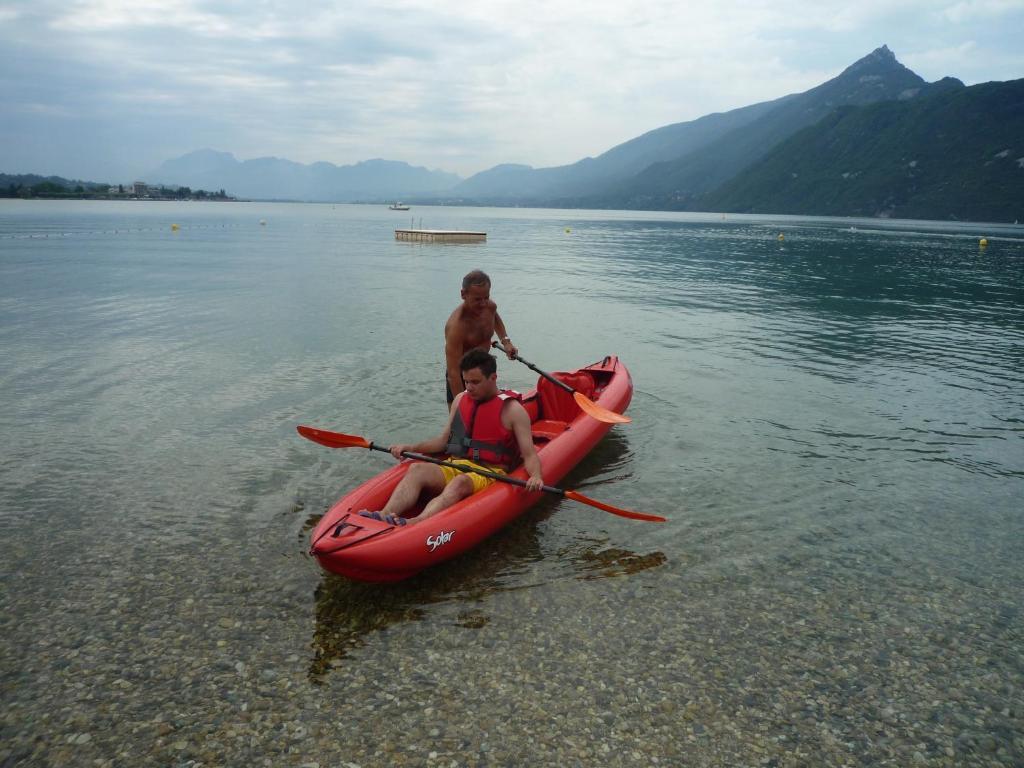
478,434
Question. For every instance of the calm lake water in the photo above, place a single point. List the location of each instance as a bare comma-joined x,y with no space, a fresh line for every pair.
833,421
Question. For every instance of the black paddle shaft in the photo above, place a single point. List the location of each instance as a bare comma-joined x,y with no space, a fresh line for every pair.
533,367
473,470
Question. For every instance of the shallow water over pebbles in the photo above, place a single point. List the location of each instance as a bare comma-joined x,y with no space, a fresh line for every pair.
833,421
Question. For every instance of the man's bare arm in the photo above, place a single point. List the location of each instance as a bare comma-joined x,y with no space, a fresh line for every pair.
503,339
520,423
453,357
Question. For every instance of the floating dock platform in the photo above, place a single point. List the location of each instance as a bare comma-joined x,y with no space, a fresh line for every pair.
439,236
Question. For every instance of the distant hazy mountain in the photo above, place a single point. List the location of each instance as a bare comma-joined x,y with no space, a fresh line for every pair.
956,153
271,178
668,166
523,183
876,77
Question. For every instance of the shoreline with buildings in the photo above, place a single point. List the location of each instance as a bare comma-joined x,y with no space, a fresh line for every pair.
29,187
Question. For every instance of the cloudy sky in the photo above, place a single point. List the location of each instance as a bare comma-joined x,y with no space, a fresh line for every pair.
108,89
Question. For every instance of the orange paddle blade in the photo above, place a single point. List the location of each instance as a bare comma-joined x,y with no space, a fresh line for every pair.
333,439
576,496
598,412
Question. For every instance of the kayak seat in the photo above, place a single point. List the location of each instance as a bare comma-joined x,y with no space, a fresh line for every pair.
557,404
548,429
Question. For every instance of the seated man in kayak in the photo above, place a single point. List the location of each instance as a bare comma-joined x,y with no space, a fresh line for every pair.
486,429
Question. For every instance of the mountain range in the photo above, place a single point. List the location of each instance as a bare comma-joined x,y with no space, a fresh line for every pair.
954,154
876,140
272,178
679,161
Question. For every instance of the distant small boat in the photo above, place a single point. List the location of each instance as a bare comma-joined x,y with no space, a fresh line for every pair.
398,207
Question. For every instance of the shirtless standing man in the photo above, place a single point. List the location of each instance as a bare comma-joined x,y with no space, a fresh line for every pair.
471,326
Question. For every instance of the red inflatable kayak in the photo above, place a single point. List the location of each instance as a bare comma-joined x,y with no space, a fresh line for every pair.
365,549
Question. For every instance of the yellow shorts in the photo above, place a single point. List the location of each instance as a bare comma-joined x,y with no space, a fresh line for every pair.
479,481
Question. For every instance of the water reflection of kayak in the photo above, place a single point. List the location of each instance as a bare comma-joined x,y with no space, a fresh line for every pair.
365,549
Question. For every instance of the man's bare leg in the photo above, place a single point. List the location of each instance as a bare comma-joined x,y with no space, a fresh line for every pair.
459,488
419,478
